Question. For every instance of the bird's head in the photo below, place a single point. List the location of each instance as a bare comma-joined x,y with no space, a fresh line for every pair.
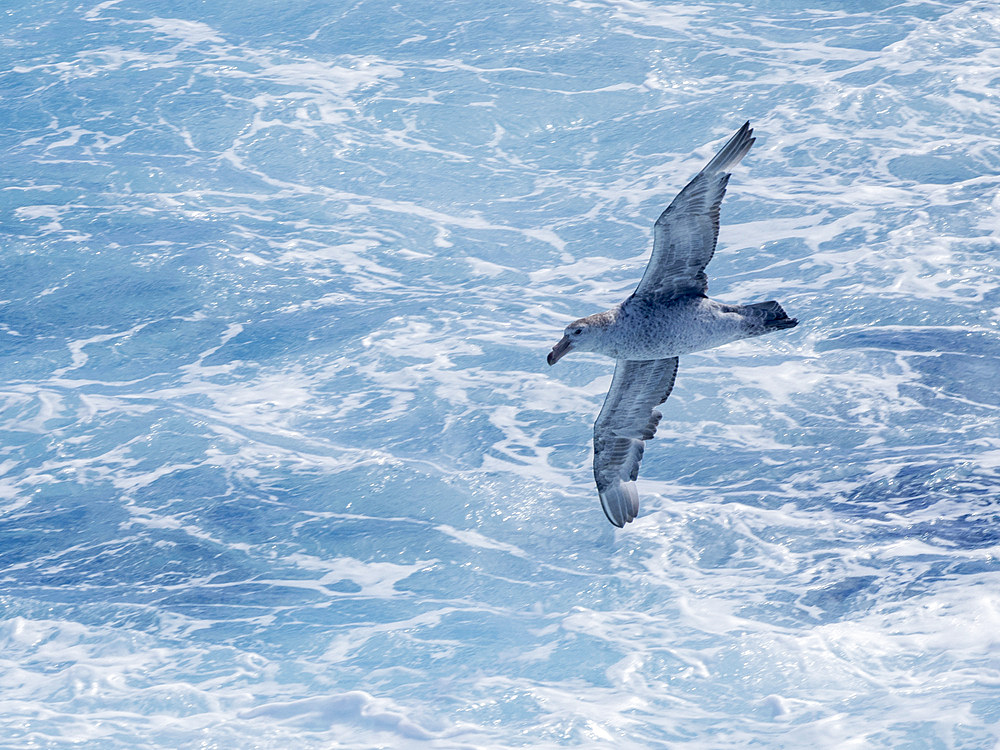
582,335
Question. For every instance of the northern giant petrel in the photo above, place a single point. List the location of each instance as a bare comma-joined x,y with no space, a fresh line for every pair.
668,314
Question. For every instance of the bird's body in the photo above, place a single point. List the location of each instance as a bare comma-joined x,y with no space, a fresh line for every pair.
669,314
650,327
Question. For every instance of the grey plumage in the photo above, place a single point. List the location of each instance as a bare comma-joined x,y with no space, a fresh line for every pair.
628,419
667,315
685,234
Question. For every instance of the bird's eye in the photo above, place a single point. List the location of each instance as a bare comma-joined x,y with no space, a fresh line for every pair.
578,331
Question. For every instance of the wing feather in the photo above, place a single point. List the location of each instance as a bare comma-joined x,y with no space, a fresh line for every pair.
684,236
627,420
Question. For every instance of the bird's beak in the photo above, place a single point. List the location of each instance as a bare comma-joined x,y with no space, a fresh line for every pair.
564,346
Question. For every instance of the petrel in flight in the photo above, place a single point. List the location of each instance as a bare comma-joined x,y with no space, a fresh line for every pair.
667,315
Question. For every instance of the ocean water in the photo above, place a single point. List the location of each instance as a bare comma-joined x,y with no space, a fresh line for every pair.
284,466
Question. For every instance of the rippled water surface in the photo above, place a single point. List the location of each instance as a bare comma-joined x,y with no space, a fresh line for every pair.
284,466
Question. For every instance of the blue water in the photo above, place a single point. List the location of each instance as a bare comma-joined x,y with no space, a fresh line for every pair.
284,466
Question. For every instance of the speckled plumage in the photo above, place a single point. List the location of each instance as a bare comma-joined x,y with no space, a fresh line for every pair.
669,314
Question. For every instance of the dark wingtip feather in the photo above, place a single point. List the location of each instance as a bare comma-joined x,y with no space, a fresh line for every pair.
733,152
620,503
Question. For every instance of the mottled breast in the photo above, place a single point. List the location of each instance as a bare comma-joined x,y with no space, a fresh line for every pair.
654,328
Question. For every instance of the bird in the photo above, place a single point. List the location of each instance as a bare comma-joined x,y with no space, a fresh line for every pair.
668,314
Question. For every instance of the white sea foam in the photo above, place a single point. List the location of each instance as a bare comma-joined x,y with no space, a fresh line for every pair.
284,465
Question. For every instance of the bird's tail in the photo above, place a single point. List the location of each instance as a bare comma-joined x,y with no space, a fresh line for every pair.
768,316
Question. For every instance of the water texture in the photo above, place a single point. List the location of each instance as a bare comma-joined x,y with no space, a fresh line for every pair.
284,466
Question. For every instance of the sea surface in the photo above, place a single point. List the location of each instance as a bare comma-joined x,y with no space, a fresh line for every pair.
283,465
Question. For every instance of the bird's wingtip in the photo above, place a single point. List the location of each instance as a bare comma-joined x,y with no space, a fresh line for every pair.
732,152
620,502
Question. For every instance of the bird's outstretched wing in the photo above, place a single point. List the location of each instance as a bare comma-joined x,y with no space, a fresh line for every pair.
685,234
628,419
